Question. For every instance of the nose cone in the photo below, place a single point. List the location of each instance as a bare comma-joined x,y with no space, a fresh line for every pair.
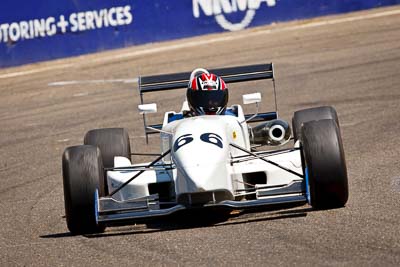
200,140
202,178
200,151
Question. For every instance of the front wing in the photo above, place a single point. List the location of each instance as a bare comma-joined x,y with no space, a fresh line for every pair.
109,210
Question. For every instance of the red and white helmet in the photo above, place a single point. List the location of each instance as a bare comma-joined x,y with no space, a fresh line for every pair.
207,93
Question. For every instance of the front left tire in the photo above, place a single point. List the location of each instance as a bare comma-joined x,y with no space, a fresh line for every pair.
82,169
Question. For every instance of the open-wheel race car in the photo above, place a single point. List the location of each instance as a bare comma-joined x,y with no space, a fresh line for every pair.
206,161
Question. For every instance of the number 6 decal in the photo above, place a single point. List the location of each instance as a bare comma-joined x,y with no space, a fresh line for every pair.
183,140
212,138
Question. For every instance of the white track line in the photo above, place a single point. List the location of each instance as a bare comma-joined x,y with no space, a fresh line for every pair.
33,71
189,44
63,83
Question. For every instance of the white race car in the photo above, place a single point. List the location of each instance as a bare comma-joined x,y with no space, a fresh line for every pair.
208,161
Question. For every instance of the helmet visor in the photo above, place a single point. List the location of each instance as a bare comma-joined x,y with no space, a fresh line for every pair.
210,100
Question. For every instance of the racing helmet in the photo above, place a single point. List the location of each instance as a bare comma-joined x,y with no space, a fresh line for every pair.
207,94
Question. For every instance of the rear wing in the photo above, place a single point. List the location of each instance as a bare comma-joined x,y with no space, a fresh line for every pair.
174,81
229,75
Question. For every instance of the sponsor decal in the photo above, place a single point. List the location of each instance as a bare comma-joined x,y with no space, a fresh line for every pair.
75,22
221,8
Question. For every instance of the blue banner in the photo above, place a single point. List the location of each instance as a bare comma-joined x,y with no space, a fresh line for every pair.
38,30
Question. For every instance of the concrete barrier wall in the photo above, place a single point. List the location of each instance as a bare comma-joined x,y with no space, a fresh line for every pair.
38,30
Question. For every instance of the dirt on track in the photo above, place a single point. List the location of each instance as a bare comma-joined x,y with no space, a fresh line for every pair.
351,62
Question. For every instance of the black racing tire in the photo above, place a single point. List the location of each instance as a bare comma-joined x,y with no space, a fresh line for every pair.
82,169
112,142
325,164
311,114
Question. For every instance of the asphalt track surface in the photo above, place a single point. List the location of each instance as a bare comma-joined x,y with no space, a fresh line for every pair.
351,62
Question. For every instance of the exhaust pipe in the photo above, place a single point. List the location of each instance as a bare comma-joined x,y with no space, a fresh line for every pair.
274,133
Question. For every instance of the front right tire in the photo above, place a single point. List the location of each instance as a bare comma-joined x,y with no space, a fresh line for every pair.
325,165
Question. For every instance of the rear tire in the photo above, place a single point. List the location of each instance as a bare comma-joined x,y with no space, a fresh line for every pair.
112,142
325,164
82,170
311,114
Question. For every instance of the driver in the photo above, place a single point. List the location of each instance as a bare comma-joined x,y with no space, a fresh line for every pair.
207,93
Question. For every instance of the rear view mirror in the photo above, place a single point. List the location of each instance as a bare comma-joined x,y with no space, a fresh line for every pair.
147,108
251,98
